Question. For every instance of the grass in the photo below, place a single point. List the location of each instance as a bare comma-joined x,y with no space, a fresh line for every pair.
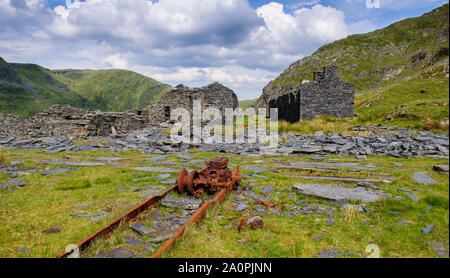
284,236
400,104
2,157
327,124
47,201
246,103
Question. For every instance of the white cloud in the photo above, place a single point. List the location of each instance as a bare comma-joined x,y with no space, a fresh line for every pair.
193,41
303,31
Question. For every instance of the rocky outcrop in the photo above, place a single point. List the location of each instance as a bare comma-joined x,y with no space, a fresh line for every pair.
67,122
212,95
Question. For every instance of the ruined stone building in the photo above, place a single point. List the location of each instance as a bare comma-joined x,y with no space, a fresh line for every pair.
213,95
327,94
69,122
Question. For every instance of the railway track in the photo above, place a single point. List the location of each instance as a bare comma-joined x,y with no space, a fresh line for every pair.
151,228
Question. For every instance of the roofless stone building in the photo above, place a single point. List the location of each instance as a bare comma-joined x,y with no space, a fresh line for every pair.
326,95
213,95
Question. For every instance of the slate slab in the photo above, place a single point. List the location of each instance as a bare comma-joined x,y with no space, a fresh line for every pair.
20,183
160,238
157,215
339,193
156,169
428,229
170,181
110,159
413,197
83,163
343,179
132,241
120,253
440,250
156,158
255,169
267,189
252,195
98,218
182,203
259,208
55,171
140,229
241,207
162,177
423,178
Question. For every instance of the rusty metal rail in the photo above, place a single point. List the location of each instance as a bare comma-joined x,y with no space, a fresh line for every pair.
194,219
127,217
214,177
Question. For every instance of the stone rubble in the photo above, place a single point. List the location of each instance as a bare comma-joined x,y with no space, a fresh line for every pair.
402,144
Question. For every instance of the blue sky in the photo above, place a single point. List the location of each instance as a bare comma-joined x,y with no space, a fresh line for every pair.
242,44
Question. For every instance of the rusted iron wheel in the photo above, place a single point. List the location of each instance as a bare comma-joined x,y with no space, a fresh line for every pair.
190,181
180,181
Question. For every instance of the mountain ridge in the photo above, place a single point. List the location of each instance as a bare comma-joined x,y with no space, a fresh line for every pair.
406,55
26,89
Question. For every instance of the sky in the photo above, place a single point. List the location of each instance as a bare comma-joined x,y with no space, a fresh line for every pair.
242,44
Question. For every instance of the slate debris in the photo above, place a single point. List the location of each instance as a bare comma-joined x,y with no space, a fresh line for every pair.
241,207
403,143
19,183
161,177
428,229
132,241
423,178
413,197
120,253
338,192
140,229
182,203
440,250
55,171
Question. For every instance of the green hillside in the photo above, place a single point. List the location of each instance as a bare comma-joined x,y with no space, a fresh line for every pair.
113,90
244,104
400,72
26,89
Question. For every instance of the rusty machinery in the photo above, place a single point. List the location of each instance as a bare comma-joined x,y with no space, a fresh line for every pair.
214,177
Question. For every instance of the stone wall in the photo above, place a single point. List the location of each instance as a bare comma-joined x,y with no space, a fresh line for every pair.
213,95
326,95
68,122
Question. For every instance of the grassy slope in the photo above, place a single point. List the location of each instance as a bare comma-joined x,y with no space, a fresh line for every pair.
113,90
26,89
282,236
34,89
385,64
244,104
